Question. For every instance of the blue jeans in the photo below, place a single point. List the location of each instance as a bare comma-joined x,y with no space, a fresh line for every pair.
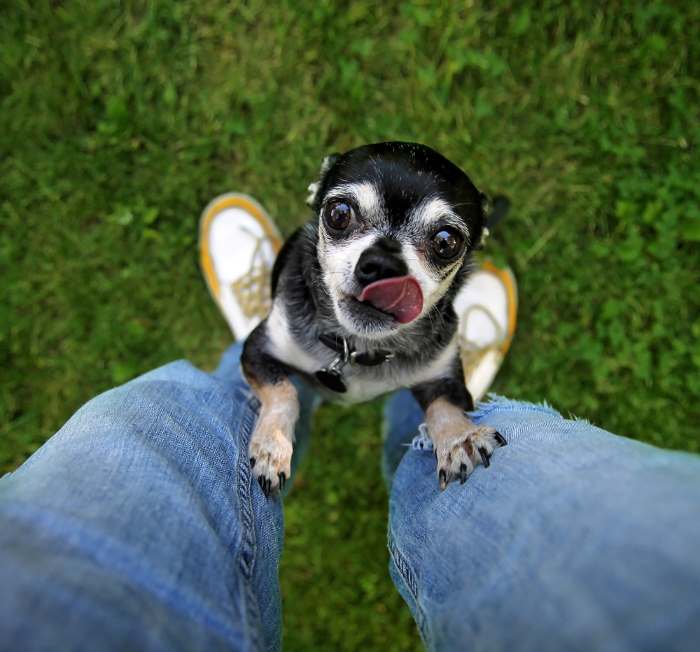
139,526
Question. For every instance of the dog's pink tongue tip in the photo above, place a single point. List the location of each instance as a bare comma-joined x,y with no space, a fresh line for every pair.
400,296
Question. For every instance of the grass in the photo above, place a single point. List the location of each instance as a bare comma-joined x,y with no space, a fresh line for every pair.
119,121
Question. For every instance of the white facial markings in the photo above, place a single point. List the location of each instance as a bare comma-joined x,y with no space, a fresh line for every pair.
338,261
433,212
339,256
425,218
365,195
432,286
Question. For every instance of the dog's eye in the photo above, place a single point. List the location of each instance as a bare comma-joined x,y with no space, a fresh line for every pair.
338,215
447,242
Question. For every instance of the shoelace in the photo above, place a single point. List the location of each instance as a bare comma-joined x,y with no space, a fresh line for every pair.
252,289
472,353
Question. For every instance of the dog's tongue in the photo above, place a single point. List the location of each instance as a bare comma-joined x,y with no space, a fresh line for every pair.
400,296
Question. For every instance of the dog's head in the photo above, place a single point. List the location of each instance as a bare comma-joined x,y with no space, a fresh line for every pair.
397,222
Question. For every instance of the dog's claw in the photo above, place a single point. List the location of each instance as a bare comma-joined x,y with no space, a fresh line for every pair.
265,485
459,453
270,454
485,460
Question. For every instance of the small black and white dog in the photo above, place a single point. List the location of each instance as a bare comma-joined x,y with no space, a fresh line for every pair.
362,303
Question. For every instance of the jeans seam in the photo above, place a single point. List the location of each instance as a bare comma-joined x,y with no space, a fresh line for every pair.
405,571
246,560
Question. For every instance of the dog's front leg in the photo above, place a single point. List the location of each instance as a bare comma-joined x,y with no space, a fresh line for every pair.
459,443
272,442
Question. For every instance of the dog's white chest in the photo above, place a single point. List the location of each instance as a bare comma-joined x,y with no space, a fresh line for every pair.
284,346
361,388
362,383
366,383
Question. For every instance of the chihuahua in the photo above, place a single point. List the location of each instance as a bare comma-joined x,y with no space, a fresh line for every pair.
362,304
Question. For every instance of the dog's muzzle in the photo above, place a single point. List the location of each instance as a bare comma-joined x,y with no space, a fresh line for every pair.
381,260
382,273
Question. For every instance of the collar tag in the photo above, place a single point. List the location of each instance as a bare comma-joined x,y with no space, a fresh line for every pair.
332,376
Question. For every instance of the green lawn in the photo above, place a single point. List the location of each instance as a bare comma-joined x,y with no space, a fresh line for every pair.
119,121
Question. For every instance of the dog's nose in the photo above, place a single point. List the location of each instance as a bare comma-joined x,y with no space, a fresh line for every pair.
376,263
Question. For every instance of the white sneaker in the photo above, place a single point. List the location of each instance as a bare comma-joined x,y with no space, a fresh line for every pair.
238,244
487,308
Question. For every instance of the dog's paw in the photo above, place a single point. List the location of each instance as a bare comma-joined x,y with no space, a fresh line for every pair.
271,459
458,456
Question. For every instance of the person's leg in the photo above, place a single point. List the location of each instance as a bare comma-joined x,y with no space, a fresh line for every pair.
572,539
138,525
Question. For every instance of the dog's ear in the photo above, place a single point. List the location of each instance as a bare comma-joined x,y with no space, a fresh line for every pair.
313,188
486,207
494,211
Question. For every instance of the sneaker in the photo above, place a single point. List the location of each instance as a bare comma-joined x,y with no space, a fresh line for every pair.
238,244
487,308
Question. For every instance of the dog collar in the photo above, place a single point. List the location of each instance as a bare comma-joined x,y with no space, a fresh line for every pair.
331,376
